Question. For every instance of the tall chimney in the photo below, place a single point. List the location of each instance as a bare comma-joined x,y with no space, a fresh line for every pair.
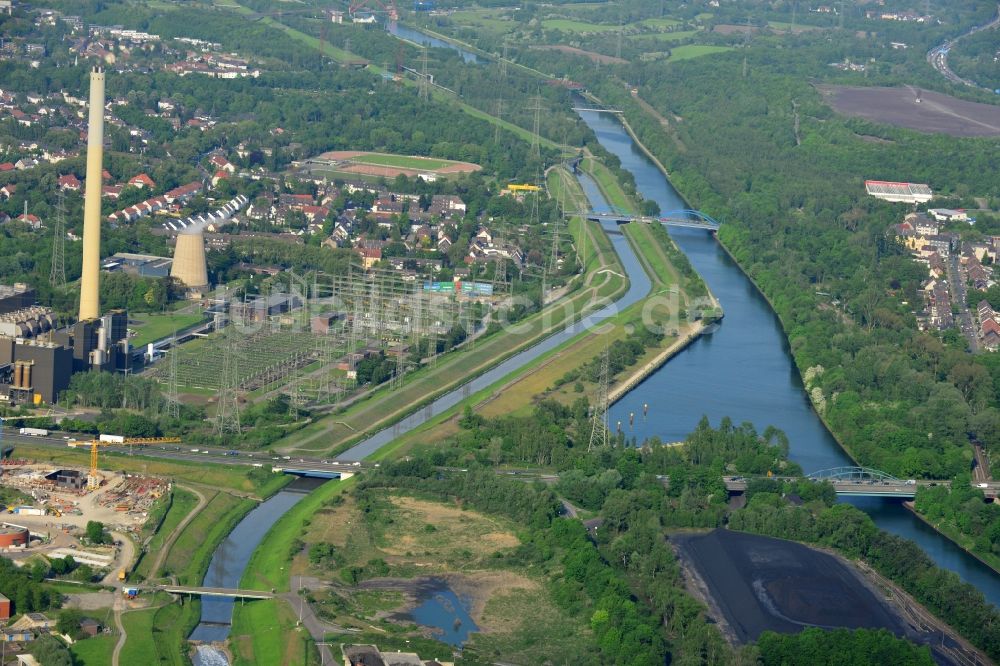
90,282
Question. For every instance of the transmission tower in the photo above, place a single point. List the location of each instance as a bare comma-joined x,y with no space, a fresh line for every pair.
599,417
227,415
503,61
537,108
424,81
621,30
173,406
57,276
496,130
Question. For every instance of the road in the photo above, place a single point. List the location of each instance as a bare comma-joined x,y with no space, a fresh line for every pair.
938,56
959,296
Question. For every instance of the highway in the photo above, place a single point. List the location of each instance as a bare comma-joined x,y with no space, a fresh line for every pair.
938,56
200,454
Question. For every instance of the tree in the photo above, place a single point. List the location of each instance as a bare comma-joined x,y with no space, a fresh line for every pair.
95,532
69,621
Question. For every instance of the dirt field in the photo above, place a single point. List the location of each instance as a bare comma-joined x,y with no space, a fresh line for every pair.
594,57
390,166
935,113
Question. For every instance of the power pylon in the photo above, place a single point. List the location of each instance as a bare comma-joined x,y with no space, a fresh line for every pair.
173,404
503,61
57,276
599,417
424,81
537,108
496,130
227,415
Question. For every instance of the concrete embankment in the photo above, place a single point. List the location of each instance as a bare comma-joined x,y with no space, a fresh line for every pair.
639,374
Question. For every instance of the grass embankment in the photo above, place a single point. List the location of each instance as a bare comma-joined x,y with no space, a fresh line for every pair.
688,51
94,651
240,479
268,567
159,635
180,506
261,629
153,327
192,551
265,632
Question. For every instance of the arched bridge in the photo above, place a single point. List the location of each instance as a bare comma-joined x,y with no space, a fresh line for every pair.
852,482
688,219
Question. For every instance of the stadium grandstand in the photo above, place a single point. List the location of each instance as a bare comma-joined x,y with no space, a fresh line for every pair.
899,192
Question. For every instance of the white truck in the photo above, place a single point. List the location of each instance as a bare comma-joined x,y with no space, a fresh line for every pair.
34,432
112,439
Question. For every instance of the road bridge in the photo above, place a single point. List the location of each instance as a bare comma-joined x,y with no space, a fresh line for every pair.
688,219
849,482
232,593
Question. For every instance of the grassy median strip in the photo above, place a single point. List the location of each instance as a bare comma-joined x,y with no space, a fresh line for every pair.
264,632
159,635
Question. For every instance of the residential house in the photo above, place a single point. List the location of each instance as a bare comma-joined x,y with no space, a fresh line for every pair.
69,183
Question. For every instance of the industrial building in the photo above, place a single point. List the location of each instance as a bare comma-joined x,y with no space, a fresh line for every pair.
16,297
71,479
143,265
913,193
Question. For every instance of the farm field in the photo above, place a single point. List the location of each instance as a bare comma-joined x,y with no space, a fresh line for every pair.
688,51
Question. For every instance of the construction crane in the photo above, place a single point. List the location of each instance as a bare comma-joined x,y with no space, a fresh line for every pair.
94,481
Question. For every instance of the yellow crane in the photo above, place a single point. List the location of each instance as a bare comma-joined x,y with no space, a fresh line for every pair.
93,481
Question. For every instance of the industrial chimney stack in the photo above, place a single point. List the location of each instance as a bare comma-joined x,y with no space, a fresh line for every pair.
90,282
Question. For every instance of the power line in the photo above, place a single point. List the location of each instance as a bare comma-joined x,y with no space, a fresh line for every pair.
173,405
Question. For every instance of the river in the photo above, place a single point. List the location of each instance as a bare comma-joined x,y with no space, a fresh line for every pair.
745,371
409,34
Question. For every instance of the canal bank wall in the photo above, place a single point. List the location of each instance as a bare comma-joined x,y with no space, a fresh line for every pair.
822,418
654,364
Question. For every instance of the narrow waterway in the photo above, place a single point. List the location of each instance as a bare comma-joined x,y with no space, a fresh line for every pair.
745,371
230,561
417,37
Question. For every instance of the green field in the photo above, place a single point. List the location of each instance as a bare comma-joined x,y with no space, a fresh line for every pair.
159,635
264,632
402,161
688,51
191,553
181,506
94,651
153,327
660,23
568,25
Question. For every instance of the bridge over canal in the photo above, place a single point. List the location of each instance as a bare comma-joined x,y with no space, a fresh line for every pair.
850,482
687,219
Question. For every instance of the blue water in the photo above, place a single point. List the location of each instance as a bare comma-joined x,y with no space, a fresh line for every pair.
745,371
411,35
440,610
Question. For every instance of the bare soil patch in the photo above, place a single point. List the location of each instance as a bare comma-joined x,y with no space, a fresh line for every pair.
729,29
935,113
592,56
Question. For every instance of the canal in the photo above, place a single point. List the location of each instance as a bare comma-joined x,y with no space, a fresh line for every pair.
409,34
744,370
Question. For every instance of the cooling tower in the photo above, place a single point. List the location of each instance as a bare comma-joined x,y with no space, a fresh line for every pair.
90,281
189,260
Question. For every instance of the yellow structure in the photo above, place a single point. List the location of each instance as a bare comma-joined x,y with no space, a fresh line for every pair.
93,480
513,187
189,260
90,281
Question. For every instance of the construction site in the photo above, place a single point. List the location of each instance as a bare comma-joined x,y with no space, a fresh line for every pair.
53,522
